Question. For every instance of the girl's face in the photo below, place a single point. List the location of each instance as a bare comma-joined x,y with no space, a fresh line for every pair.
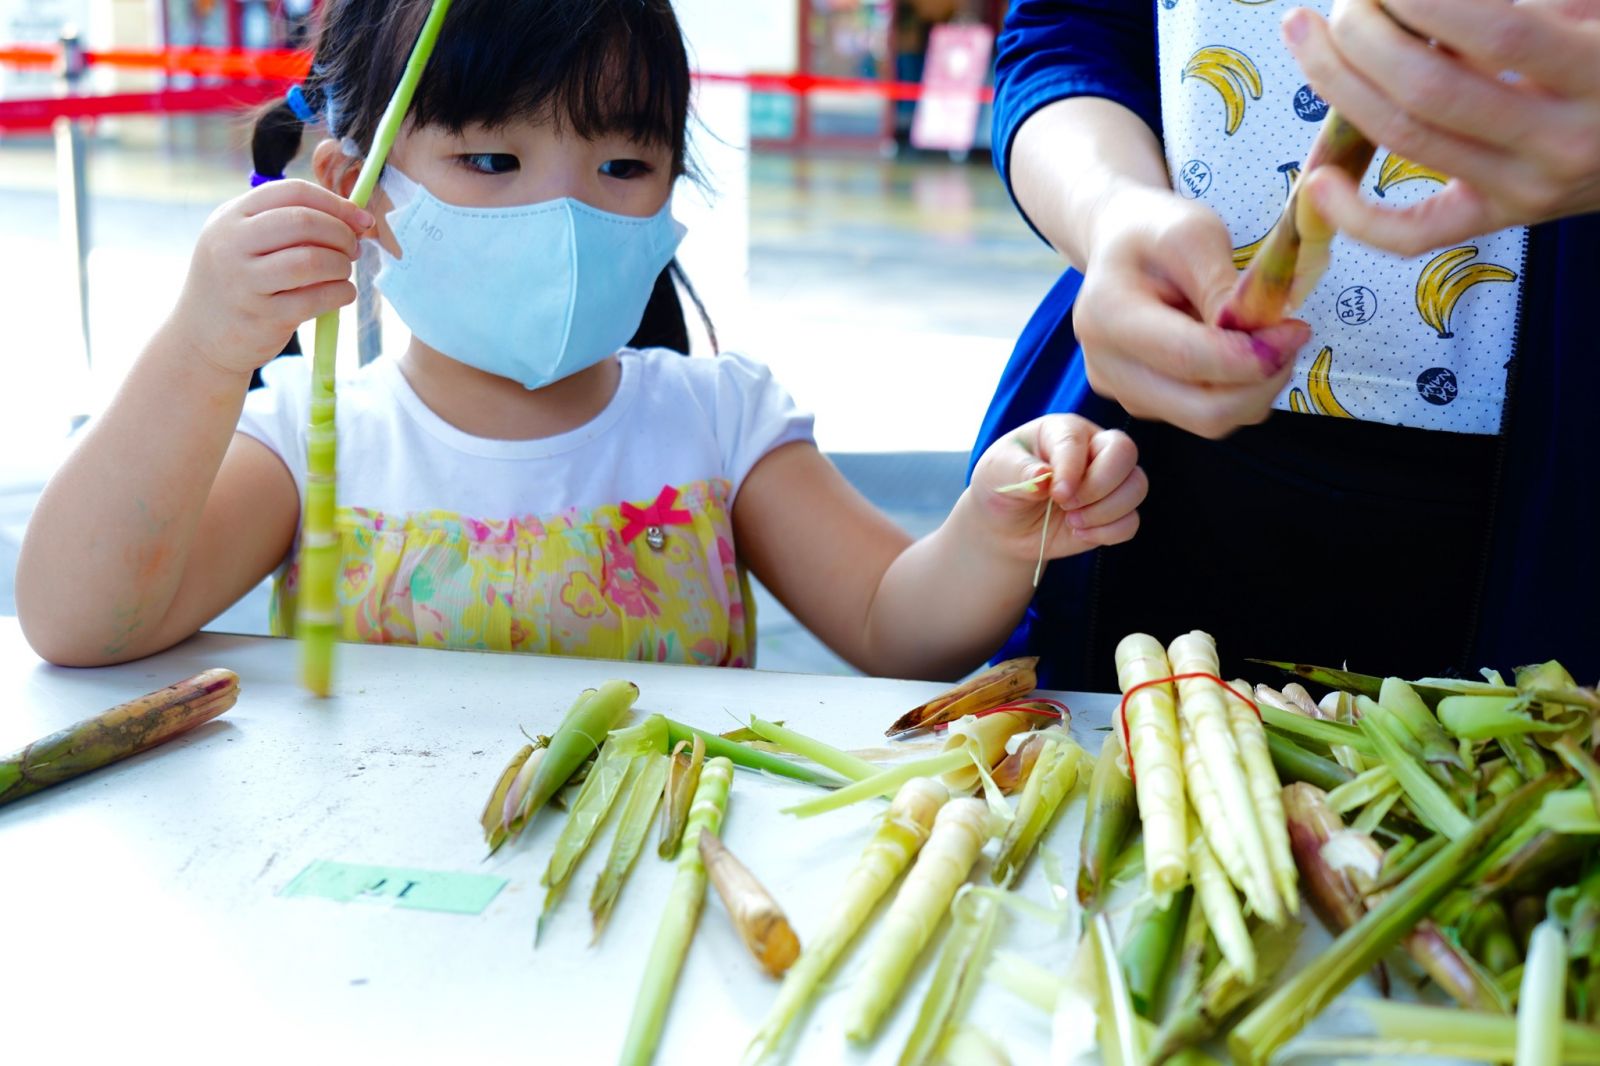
528,162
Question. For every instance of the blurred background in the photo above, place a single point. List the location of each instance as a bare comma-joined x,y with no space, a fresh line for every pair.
853,234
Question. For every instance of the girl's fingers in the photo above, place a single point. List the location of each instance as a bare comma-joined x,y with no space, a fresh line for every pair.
292,193
286,227
1121,501
1454,214
1117,532
302,305
1064,443
296,268
1542,42
1112,460
1381,119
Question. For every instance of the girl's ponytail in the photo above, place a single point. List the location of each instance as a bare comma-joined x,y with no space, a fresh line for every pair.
664,324
276,138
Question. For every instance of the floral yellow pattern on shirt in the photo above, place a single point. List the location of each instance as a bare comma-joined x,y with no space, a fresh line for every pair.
560,585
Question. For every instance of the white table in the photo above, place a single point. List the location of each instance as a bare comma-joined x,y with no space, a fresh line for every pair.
140,908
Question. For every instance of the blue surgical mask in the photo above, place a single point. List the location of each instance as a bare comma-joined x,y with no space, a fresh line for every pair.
533,293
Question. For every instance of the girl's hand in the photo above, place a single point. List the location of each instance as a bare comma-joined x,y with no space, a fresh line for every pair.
1519,151
1159,269
266,262
1094,481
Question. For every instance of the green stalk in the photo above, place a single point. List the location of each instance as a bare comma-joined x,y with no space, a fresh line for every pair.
1486,933
903,831
1402,701
956,976
1027,980
1328,734
1106,822
318,621
1361,791
748,757
124,730
1480,1037
1430,801
1490,717
1542,1003
1571,812
1342,680
840,762
632,828
1121,1040
882,783
1522,754
1147,947
678,921
582,730
1199,1016
620,759
1356,950
1576,756
1295,763
1046,787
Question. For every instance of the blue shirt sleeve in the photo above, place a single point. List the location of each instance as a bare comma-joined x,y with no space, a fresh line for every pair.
1053,49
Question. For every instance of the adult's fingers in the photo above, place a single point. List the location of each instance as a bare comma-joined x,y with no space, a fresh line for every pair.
293,193
286,227
1539,41
1453,96
1454,214
1368,108
1173,343
1208,411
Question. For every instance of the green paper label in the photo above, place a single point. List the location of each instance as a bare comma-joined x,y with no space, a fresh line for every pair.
428,890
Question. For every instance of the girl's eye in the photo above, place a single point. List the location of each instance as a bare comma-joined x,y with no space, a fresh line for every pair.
490,162
625,169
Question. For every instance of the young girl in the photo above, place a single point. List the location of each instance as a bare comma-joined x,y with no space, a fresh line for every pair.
516,479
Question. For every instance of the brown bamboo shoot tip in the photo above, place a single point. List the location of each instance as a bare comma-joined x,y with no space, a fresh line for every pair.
759,920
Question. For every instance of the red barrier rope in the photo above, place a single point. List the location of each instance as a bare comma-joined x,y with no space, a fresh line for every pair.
281,66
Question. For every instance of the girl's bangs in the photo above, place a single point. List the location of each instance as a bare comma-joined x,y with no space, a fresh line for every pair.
597,67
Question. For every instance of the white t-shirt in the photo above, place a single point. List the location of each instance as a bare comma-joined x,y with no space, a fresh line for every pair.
1410,341
674,419
613,540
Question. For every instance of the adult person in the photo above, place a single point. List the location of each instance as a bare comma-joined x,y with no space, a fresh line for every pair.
1451,523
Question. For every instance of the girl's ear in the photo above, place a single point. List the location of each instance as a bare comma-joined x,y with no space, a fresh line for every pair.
333,169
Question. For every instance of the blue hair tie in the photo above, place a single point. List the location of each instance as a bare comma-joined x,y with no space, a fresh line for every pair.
296,99
257,178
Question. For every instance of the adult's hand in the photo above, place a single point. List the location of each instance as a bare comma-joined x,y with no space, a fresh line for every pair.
1519,150
1158,270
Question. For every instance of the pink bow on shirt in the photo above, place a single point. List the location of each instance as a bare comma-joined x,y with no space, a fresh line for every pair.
659,513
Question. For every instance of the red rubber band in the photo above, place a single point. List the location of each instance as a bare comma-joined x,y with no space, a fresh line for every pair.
1122,708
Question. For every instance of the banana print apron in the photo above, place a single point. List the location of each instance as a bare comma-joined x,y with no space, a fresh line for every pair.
1421,342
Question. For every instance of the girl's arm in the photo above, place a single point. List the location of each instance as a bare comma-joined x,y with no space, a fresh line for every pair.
162,516
938,607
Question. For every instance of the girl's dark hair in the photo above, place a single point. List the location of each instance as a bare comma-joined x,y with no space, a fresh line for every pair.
592,66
